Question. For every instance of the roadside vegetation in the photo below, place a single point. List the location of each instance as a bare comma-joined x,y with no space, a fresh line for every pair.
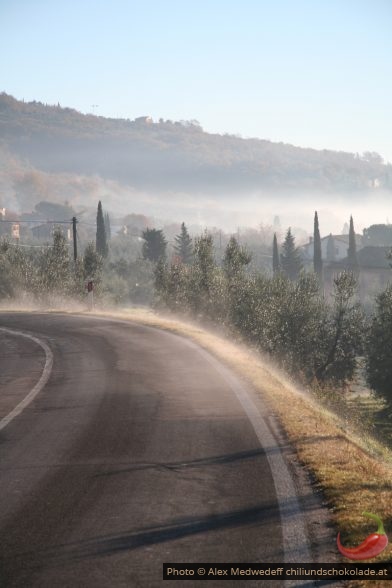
46,273
322,342
285,316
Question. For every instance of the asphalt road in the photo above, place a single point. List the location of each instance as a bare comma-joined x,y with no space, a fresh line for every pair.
135,452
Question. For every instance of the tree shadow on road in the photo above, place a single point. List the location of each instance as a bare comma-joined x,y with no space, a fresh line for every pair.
196,463
107,545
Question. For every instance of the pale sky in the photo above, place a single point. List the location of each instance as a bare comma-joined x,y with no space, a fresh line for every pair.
314,73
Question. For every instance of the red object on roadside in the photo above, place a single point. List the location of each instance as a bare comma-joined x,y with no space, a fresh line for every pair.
371,546
90,286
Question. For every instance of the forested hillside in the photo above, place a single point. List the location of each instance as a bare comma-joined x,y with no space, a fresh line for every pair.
169,156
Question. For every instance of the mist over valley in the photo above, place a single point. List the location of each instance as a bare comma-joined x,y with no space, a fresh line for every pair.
175,171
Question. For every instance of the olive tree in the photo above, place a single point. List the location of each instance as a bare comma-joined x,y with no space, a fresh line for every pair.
379,347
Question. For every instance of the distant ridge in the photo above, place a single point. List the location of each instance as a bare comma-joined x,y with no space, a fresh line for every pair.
175,156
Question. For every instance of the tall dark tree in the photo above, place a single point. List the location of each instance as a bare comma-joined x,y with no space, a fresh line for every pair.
352,260
275,255
183,245
108,229
101,243
204,263
154,246
317,255
290,259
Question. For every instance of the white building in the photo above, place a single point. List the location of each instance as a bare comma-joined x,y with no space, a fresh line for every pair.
336,252
143,120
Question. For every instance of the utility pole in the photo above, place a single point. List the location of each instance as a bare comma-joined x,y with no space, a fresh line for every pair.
90,293
75,245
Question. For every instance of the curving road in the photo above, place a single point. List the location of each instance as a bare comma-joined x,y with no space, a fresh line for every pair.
137,451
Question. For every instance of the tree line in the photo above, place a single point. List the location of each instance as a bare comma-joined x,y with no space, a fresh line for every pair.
284,315
289,260
49,273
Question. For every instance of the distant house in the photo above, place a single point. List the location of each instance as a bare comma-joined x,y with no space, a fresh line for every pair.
8,228
44,232
336,253
143,120
372,256
4,228
375,272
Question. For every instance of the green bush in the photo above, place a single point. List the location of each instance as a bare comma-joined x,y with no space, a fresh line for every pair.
379,347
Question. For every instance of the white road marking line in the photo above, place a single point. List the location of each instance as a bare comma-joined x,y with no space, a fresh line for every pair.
296,545
39,385
295,538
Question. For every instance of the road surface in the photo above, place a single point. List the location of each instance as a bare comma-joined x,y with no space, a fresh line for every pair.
135,452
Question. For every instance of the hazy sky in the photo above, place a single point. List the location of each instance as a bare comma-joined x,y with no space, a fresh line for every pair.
313,73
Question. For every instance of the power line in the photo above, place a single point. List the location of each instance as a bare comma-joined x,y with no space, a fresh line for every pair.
26,245
43,222
74,235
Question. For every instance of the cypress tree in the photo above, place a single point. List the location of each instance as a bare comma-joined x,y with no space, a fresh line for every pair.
183,245
317,256
352,260
290,259
108,230
101,244
275,255
204,262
